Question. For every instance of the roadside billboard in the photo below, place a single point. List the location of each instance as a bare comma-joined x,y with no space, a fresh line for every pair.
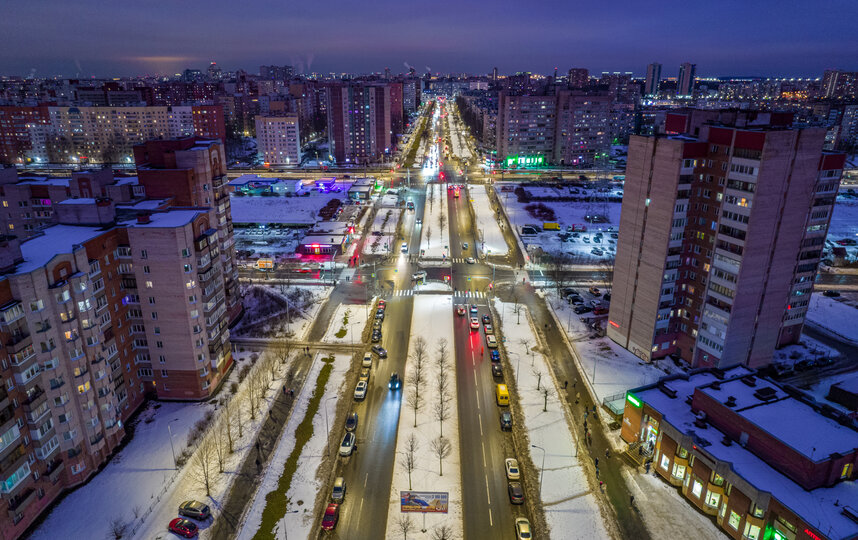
424,501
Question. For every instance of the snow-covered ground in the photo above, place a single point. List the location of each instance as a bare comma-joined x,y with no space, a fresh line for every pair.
436,312
844,223
266,310
806,348
385,222
435,242
833,316
571,507
493,239
820,389
285,210
347,323
305,484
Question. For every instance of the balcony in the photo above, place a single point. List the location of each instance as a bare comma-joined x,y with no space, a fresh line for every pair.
19,502
18,342
54,469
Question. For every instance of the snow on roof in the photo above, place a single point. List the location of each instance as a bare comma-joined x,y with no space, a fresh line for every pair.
743,394
78,201
39,250
121,181
168,219
850,384
327,239
44,180
146,204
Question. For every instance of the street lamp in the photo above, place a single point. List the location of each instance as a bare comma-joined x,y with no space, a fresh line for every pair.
542,470
327,427
172,448
283,523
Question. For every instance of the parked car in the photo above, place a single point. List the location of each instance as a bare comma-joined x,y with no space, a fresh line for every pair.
376,336
332,515
352,421
494,354
607,296
376,326
487,318
595,303
600,310
379,314
382,304
516,493
195,510
380,351
582,309
475,323
488,328
522,529
506,421
831,294
464,245
460,310
497,370
491,342
576,300
615,235
512,472
595,291
360,390
805,364
367,360
338,492
417,276
365,372
348,444
395,382
183,527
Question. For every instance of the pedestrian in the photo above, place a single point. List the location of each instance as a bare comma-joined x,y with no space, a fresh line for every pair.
565,384
574,384
257,446
632,499
607,454
594,409
269,414
596,460
597,472
291,393
258,466
284,390
586,415
585,423
577,397
601,484
640,450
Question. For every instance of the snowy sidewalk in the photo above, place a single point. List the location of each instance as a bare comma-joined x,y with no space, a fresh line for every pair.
435,239
493,241
347,324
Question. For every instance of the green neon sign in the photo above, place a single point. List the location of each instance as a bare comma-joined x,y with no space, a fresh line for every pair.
634,401
525,161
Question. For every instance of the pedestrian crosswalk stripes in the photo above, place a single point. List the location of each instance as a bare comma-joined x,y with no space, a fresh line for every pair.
410,292
452,260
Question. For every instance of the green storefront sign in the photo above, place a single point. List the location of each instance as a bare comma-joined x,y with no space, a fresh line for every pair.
524,161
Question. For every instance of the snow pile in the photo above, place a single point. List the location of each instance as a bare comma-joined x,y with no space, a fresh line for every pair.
833,316
434,239
435,312
570,504
347,323
493,242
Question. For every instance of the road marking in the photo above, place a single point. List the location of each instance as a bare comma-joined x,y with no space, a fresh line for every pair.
488,497
360,510
485,464
491,523
365,479
480,418
478,397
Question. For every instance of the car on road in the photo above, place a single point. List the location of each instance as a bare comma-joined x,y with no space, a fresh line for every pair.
460,310
597,251
195,510
831,294
395,382
516,493
805,364
522,529
491,342
404,247
470,260
488,328
497,370
487,318
418,221
464,245
582,309
360,390
352,421
376,336
367,360
512,472
382,304
475,323
332,515
338,492
417,276
183,527
379,314
506,421
365,372
474,309
595,291
380,351
494,354
348,444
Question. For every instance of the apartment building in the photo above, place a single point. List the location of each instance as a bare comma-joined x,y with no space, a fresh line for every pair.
720,238
685,81
360,126
278,139
653,79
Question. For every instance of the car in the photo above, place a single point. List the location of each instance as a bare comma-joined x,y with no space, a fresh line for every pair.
597,239
338,492
417,276
831,294
576,300
568,291
595,303
491,342
470,260
597,251
352,421
376,325
464,245
365,372
418,221
582,309
195,510
395,382
595,291
512,472
607,296
332,515
404,248
805,364
367,360
487,318
825,361
376,336
782,369
183,527
600,310
348,444
506,421
382,304
494,354
522,529
460,310
488,328
516,493
380,351
614,235
360,390
475,323
474,309
379,314
586,239
497,370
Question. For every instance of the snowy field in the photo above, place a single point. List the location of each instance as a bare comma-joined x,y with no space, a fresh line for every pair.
284,210
433,237
806,348
833,316
493,239
571,507
844,223
436,312
305,484
347,323
267,306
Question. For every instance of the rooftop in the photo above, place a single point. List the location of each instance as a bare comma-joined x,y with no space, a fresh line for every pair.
39,250
170,218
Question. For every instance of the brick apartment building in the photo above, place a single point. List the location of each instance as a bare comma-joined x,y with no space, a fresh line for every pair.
764,462
720,236
278,139
360,117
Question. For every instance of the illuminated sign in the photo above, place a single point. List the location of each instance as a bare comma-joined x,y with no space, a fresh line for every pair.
633,400
612,323
525,161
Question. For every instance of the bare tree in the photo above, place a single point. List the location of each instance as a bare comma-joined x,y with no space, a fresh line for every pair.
418,375
118,528
220,441
410,461
428,235
252,394
236,412
441,447
443,532
136,511
556,267
415,401
538,373
546,392
442,220
405,525
282,352
442,406
442,352
228,416
202,464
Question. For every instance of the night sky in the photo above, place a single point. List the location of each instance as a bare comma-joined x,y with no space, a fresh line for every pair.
121,37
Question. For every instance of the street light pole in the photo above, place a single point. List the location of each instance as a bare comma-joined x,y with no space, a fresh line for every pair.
542,470
327,426
283,523
172,448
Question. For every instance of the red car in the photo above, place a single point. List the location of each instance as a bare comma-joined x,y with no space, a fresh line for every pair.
332,514
382,304
184,527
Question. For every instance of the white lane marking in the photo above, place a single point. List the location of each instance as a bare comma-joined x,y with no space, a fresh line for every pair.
485,464
480,418
491,523
365,479
478,397
360,510
488,497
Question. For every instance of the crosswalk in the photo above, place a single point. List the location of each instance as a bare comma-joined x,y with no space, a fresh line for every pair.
411,292
453,259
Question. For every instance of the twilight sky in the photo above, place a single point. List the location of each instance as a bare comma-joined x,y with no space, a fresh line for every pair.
723,37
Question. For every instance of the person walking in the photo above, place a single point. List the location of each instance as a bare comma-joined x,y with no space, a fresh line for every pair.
601,484
565,384
607,454
596,460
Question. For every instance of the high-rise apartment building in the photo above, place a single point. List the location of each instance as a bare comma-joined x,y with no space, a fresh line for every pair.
720,236
578,78
279,73
840,85
278,139
653,78
359,122
685,81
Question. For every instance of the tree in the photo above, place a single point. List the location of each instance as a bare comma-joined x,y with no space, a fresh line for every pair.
405,525
415,401
443,532
418,375
442,386
442,406
428,235
220,441
442,220
118,528
557,271
538,373
409,463
441,447
202,464
228,421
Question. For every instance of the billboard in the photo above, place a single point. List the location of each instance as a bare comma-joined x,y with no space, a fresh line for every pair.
423,501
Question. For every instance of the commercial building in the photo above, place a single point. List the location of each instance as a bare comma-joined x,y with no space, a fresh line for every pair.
653,78
765,462
685,81
278,139
721,232
360,126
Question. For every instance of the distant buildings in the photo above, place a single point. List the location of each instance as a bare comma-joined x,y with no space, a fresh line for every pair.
840,85
278,139
653,78
720,236
360,122
685,81
277,73
578,78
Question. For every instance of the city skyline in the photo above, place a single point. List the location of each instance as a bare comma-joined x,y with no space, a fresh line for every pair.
443,39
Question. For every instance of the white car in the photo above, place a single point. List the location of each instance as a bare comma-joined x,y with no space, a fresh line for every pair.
360,390
417,276
488,328
475,323
512,472
470,260
491,342
348,444
367,360
596,303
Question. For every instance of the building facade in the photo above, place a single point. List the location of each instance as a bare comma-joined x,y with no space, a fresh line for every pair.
279,139
653,78
360,126
685,81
